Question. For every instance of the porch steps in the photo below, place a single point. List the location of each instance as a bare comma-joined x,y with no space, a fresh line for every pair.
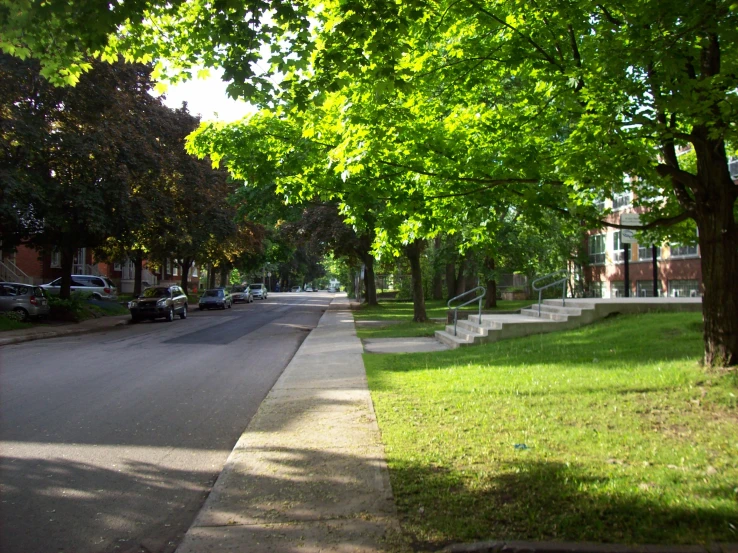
10,272
554,317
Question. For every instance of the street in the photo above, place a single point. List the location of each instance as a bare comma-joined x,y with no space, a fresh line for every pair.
111,441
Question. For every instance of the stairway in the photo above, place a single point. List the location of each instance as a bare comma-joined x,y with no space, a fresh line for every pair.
554,317
10,272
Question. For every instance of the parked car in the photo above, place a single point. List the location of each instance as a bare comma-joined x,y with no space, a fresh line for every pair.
99,287
332,290
215,298
241,293
308,288
259,291
159,302
296,289
25,300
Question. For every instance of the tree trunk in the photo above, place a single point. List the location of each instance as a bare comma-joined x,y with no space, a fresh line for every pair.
712,204
211,276
186,265
370,283
413,252
437,293
67,262
137,272
451,280
491,299
460,280
224,276
718,239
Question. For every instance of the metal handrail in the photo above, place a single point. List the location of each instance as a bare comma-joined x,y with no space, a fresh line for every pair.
456,309
542,288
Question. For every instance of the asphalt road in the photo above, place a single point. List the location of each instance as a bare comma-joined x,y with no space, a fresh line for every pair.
110,442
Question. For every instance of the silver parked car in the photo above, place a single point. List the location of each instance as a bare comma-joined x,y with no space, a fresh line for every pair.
259,291
25,300
99,287
215,298
241,293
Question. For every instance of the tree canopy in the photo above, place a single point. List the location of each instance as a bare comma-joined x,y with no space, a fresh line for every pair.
428,106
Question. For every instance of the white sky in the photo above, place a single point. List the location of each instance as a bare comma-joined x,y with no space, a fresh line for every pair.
207,98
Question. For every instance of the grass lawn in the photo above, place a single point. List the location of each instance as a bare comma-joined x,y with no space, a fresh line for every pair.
403,311
609,433
6,323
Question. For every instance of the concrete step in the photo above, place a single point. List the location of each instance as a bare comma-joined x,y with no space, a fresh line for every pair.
463,333
554,317
545,314
568,310
450,340
556,304
470,327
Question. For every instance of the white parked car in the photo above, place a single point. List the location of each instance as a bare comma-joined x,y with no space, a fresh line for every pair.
259,291
99,287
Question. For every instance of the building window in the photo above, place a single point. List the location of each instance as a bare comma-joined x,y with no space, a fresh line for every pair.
618,249
617,289
684,289
645,253
644,288
622,200
599,205
596,289
117,266
597,249
677,250
733,167
194,271
175,269
55,260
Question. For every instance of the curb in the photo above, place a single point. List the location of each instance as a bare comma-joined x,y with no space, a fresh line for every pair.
59,333
583,547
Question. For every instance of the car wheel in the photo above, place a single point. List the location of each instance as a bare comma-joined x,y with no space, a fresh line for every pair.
170,315
200,307
97,297
183,315
230,304
21,313
135,319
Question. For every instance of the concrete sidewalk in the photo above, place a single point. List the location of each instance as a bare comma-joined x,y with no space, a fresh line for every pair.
309,472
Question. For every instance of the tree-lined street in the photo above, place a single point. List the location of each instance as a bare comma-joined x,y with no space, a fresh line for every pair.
112,441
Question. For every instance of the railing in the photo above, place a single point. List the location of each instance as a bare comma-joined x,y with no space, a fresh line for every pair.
9,272
475,298
540,290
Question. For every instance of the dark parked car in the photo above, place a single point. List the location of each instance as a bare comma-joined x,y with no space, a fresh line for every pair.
159,302
24,300
215,298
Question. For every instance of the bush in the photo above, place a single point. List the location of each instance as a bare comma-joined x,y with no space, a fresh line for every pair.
73,310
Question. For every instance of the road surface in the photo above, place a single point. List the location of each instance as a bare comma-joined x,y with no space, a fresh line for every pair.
110,442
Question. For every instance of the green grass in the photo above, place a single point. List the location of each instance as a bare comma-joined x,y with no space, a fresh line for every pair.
610,433
403,311
7,323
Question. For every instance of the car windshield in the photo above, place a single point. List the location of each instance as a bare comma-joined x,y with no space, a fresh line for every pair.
213,293
156,293
256,286
238,289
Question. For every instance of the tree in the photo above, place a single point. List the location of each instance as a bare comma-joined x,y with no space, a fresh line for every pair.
551,102
72,156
